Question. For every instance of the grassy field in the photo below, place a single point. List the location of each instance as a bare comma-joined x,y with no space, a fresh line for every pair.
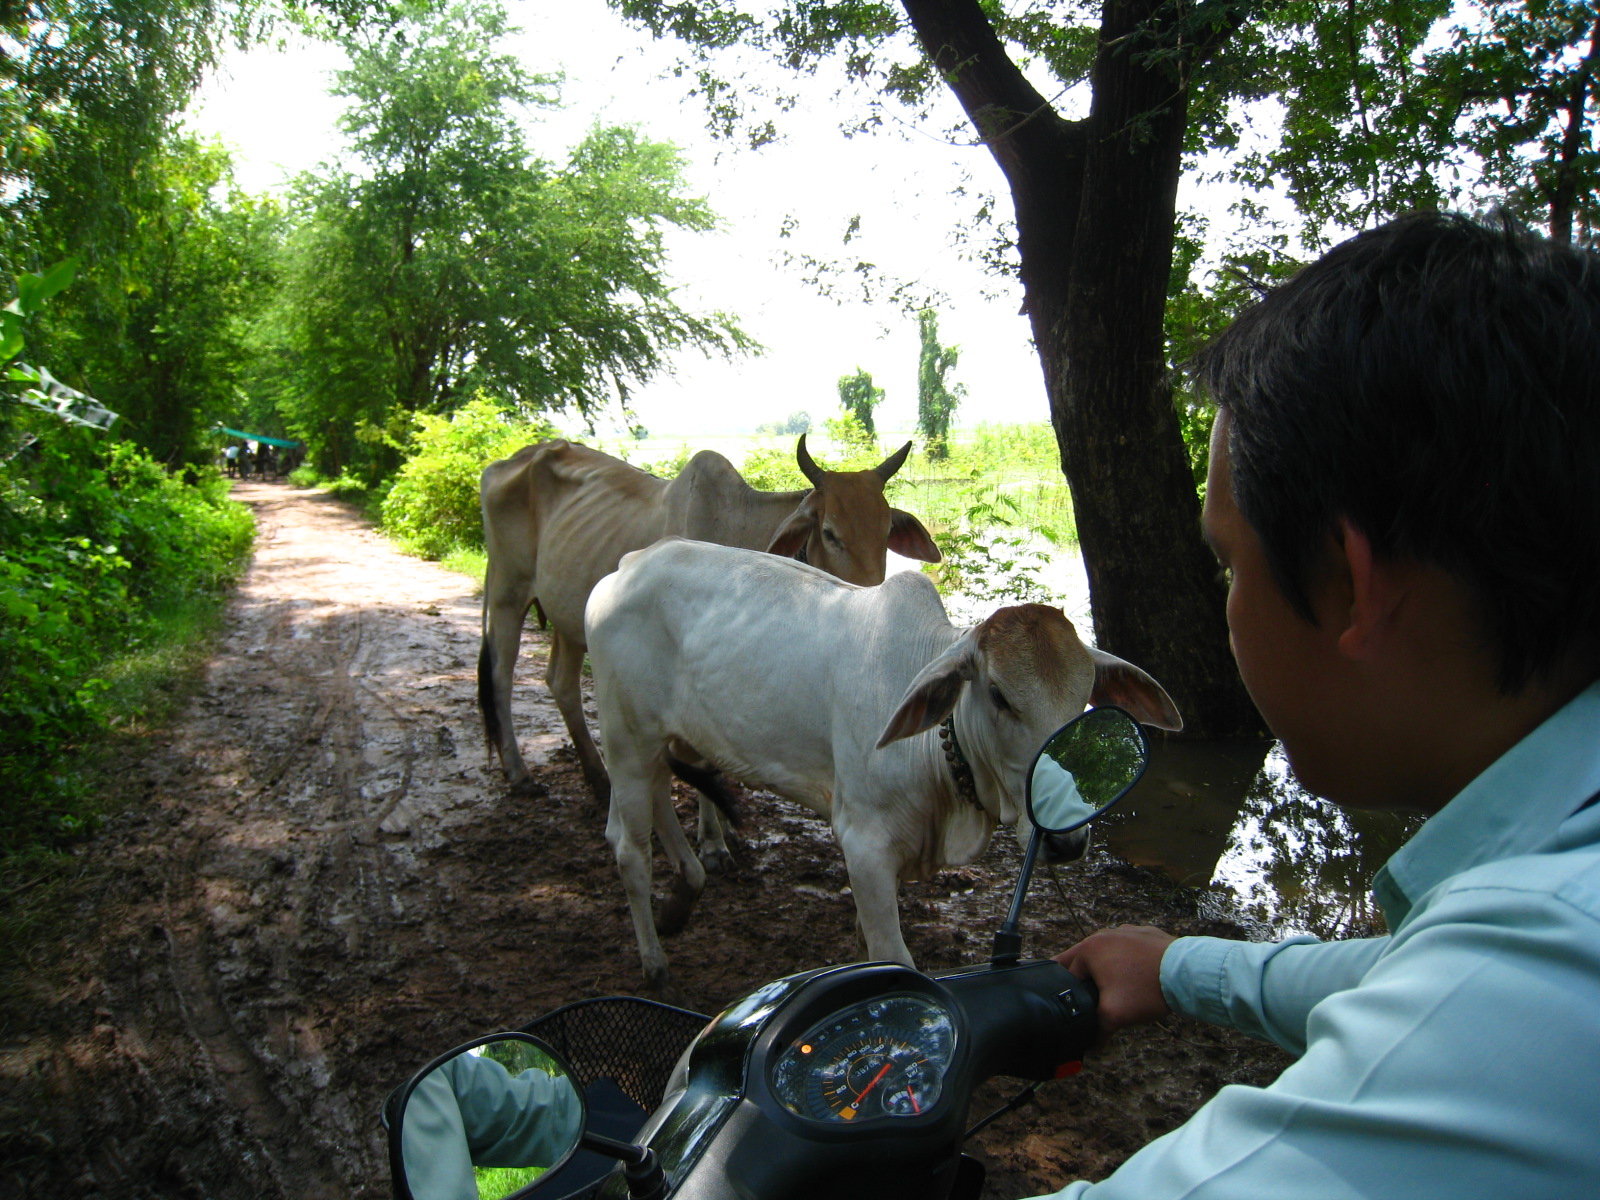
1015,468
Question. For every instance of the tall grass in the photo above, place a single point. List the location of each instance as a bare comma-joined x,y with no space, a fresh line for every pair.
1016,469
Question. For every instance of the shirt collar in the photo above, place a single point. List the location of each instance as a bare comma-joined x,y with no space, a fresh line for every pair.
1517,806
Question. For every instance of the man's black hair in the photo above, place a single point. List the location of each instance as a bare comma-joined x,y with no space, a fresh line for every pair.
1436,381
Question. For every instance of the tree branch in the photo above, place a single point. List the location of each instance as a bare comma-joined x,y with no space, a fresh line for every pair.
1007,111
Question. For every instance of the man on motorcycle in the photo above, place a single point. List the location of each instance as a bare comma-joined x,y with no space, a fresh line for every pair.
1405,492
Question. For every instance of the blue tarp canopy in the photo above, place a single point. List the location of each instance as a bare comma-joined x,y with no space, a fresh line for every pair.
255,437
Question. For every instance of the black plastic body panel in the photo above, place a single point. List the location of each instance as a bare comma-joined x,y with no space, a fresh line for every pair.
728,1136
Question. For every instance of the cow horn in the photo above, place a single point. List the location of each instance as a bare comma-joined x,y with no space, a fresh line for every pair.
893,463
808,468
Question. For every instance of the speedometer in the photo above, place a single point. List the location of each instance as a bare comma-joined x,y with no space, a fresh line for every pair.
884,1057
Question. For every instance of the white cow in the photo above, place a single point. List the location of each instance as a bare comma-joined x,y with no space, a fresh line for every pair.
789,679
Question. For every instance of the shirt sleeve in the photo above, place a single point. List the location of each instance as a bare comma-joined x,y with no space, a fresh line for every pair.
1264,989
1460,1065
472,1112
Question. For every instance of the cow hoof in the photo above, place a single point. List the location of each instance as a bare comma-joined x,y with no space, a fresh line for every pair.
600,789
673,915
528,786
717,862
663,987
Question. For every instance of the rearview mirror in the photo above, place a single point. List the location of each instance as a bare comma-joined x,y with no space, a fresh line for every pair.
1084,768
488,1119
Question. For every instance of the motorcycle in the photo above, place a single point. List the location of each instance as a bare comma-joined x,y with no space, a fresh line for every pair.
850,1082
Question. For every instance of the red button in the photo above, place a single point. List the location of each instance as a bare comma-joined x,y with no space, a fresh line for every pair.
1067,1070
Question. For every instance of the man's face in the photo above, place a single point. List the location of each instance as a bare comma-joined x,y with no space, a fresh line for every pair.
1289,666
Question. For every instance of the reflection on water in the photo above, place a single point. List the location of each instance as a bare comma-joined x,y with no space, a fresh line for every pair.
1230,818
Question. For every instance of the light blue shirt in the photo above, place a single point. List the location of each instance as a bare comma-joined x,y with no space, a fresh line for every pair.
472,1112
1459,1056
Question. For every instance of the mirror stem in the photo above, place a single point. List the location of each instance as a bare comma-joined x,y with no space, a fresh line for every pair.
641,1168
1008,942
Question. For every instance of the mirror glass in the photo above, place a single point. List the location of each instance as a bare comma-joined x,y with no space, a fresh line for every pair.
487,1121
1084,768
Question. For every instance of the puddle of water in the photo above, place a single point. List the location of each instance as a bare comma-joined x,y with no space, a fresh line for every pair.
1230,818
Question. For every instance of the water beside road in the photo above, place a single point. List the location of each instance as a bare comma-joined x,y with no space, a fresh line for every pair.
1229,818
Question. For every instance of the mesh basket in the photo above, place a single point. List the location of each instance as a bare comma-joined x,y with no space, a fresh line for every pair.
631,1041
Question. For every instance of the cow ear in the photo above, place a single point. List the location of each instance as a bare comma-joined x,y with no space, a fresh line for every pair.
1119,682
908,537
933,693
793,534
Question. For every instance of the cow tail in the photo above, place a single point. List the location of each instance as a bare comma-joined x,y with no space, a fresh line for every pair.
491,718
713,785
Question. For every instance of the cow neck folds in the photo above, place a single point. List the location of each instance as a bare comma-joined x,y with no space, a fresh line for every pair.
960,768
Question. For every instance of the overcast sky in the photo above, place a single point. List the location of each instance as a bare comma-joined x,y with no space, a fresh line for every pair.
274,110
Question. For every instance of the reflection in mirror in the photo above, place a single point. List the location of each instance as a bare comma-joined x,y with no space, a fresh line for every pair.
1084,768
488,1121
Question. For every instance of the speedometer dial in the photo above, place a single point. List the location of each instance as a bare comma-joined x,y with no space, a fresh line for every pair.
884,1057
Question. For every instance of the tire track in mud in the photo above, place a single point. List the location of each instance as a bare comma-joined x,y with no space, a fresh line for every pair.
346,768
270,883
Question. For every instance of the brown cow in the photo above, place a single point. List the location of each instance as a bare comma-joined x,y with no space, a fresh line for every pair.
558,516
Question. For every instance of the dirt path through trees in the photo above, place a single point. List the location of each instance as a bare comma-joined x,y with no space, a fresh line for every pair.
324,883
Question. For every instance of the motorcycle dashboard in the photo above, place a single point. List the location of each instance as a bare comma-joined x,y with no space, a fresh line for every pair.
884,1057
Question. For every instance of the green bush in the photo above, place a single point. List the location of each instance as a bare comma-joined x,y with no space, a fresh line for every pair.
95,540
432,507
991,556
773,469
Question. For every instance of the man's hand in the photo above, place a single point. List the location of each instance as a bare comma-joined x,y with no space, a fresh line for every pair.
1125,964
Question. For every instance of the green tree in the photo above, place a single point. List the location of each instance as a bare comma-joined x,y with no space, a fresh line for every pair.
168,349
936,399
858,397
450,259
1391,106
1529,80
88,92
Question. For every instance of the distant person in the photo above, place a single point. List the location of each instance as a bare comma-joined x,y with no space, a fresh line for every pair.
1405,496
231,454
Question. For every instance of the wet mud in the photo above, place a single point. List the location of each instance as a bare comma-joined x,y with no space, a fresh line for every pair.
320,882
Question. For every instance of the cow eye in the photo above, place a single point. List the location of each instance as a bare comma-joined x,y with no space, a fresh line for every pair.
998,698
831,537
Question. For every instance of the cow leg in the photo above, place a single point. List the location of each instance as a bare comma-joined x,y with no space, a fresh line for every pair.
505,605
714,853
688,765
566,663
643,792
874,869
688,873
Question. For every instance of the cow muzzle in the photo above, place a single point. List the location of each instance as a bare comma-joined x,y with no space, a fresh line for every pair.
1066,847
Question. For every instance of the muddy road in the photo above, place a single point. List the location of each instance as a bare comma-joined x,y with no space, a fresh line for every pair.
321,882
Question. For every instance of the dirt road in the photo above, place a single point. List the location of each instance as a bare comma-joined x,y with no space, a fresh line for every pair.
324,883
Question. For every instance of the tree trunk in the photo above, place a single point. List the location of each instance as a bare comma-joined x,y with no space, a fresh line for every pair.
1095,208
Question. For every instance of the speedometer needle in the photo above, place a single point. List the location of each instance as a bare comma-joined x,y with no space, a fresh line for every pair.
856,1107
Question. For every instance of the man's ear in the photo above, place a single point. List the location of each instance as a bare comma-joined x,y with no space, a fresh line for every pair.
1376,591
